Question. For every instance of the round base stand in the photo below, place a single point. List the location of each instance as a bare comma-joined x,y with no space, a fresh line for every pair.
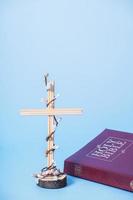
53,182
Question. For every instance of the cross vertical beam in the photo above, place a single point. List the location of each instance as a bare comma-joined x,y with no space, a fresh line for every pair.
51,94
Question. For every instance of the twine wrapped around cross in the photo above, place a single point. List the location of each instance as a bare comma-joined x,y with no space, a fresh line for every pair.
50,172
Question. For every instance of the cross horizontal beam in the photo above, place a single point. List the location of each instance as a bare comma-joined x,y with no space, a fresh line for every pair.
50,112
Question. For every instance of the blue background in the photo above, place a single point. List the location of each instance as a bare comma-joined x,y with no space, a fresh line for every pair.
87,47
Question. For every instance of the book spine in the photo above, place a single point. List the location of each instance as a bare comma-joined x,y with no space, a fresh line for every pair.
99,175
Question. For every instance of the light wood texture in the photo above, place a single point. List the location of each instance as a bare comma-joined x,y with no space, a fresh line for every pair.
49,111
50,125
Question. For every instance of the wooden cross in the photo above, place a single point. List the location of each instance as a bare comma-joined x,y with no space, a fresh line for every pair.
51,112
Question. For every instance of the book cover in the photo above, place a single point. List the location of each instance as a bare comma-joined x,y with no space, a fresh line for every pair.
107,159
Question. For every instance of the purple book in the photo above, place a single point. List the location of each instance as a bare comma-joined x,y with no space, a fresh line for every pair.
107,159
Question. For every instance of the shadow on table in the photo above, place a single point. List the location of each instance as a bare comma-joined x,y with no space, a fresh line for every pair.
70,180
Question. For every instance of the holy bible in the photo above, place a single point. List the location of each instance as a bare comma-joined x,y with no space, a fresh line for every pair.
107,159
